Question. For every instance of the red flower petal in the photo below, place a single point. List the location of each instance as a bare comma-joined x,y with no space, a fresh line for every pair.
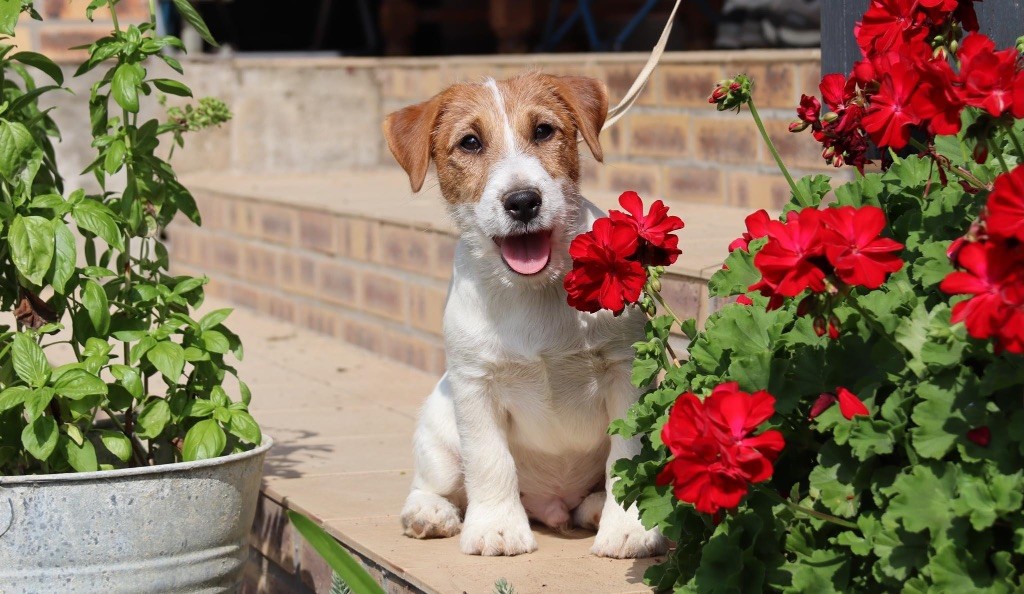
980,436
850,405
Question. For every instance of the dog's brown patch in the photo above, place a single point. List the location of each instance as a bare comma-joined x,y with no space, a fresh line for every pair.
436,128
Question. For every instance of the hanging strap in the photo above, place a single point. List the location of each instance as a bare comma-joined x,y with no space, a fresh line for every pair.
641,79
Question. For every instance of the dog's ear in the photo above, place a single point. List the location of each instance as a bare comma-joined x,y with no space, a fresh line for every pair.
587,99
408,134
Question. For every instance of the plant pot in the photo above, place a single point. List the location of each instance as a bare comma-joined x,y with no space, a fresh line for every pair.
172,528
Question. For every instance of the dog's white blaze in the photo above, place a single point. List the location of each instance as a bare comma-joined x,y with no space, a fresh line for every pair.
510,138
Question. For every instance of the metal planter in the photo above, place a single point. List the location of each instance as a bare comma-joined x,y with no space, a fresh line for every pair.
171,528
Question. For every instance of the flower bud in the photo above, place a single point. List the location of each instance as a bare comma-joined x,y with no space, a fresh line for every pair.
655,283
824,401
954,46
981,153
798,126
980,436
806,306
833,327
819,325
830,117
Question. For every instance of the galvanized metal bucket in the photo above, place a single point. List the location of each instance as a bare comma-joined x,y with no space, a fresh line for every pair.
171,528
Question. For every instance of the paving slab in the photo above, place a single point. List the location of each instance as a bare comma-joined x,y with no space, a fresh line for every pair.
344,457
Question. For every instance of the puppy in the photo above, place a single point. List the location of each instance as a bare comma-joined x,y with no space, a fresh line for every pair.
517,426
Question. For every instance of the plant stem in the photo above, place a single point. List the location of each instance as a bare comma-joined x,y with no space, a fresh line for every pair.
668,310
805,510
113,15
1002,162
772,149
1016,142
957,171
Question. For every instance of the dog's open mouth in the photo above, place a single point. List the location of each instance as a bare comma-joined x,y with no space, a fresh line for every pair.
526,254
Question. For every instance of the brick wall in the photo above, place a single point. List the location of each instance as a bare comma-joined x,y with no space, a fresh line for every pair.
376,283
672,144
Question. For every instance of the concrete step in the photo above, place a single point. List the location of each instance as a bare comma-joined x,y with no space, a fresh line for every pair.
356,255
342,419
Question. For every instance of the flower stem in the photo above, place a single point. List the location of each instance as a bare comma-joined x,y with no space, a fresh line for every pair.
771,148
957,171
668,347
1016,142
1002,161
806,510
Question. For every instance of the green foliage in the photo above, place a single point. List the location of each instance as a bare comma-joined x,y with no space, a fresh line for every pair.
934,511
348,571
148,382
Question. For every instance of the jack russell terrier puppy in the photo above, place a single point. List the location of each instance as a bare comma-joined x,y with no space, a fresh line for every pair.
517,426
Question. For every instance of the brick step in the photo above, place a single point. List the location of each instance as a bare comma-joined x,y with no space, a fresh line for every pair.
354,254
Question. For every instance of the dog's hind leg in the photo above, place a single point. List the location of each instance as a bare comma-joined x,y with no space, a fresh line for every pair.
432,507
588,513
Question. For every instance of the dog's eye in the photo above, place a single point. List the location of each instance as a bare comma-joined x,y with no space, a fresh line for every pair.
542,132
470,144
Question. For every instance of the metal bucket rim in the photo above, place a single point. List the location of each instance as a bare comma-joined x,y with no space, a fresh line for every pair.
176,467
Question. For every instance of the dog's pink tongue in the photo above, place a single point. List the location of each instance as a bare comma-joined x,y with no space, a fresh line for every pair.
527,254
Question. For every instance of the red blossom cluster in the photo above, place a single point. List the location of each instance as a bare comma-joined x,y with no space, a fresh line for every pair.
609,262
905,80
716,454
820,251
992,259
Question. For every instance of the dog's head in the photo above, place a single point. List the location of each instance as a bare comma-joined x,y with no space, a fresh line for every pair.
508,163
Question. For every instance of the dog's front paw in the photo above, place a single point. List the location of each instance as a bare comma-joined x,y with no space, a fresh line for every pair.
624,537
428,515
497,531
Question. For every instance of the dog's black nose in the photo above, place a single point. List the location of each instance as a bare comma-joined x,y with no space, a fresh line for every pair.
523,205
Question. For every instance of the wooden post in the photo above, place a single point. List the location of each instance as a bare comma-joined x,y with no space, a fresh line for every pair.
1002,20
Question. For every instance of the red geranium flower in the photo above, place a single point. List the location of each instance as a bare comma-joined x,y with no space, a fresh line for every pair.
853,245
790,262
757,226
715,454
893,111
659,246
850,405
1005,210
602,275
995,276
887,24
989,77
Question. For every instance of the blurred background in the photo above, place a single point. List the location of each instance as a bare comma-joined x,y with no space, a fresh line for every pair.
450,27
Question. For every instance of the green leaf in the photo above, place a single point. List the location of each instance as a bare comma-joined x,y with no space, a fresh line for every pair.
37,401
97,219
16,149
645,369
31,240
917,513
243,426
870,437
40,437
10,10
204,440
172,87
738,275
117,444
213,318
340,561
81,457
65,256
809,192
169,359
124,86
13,396
30,361
95,301
41,62
129,378
188,12
216,342
115,156
79,383
154,418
